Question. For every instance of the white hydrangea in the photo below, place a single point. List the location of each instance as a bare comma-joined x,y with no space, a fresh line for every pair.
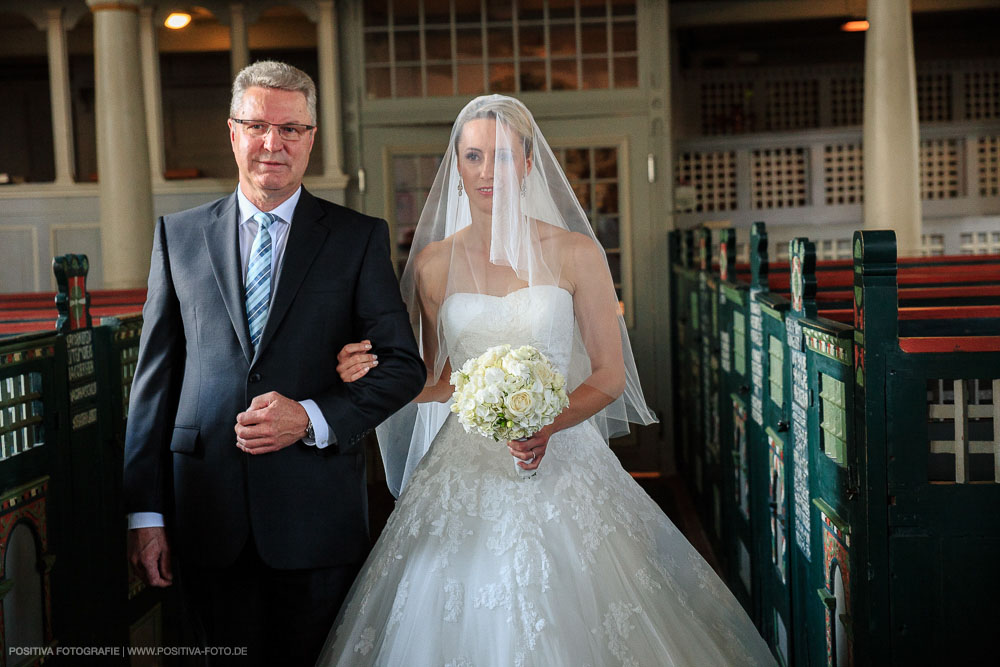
508,393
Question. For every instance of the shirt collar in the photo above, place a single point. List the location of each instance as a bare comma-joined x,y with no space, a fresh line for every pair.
285,210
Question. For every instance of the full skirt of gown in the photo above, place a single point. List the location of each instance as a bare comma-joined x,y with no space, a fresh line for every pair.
574,566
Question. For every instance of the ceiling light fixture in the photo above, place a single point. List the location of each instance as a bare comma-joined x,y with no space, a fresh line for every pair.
854,26
177,20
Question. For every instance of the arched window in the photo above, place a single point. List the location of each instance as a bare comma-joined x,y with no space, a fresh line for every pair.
23,607
840,612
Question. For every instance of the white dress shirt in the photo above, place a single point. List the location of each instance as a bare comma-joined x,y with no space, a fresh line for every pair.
279,229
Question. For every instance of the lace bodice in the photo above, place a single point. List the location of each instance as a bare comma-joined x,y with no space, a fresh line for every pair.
539,315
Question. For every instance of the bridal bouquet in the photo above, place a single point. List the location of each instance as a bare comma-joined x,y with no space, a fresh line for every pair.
508,393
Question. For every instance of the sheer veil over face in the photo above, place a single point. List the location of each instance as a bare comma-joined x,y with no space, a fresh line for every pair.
501,217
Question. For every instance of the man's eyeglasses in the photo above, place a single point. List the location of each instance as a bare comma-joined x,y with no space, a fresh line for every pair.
287,131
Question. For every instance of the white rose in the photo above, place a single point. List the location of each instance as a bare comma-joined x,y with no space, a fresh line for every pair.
523,353
506,362
545,374
493,355
520,403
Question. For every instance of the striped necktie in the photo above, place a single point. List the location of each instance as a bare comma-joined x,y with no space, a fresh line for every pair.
258,284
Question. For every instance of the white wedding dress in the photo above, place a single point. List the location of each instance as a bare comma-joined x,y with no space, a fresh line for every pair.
575,566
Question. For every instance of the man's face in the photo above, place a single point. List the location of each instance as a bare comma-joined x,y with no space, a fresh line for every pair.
271,168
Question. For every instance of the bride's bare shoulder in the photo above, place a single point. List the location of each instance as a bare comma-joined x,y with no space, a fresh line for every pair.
431,263
571,245
433,253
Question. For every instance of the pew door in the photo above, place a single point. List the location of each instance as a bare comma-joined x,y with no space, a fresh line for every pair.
608,171
772,370
943,479
778,534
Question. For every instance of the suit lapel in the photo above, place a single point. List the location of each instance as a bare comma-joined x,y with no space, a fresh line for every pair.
222,238
306,236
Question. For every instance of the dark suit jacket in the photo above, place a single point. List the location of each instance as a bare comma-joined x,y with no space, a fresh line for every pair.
304,507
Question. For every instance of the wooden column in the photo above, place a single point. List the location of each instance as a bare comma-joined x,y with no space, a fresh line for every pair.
62,116
152,92
239,44
122,148
891,130
329,122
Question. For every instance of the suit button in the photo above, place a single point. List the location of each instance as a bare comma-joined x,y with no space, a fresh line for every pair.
255,377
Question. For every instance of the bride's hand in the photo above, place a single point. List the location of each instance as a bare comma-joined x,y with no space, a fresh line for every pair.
354,361
532,449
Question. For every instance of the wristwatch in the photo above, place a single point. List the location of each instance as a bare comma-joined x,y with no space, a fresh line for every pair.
310,432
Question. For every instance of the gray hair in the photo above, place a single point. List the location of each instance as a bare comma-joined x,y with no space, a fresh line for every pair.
273,74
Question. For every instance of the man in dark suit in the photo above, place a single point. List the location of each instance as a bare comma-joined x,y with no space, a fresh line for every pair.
243,452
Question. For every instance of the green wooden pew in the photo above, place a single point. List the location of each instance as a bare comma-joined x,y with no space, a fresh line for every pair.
35,490
927,442
815,507
736,428
818,487
787,504
687,358
63,406
771,465
708,459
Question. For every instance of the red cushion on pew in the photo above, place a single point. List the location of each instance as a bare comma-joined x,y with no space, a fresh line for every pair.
920,345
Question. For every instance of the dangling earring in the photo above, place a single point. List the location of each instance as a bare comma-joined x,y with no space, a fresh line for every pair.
524,188
460,188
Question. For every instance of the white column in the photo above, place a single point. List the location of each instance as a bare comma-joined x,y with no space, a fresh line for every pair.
59,90
152,92
330,130
122,150
892,132
239,49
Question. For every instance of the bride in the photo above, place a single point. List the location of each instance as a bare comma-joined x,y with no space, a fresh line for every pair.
481,564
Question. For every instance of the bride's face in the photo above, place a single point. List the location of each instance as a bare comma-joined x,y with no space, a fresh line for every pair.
478,156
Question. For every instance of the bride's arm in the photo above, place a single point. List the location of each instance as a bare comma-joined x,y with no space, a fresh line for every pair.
595,307
439,392
430,283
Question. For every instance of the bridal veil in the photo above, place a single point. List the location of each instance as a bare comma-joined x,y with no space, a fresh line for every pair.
517,225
